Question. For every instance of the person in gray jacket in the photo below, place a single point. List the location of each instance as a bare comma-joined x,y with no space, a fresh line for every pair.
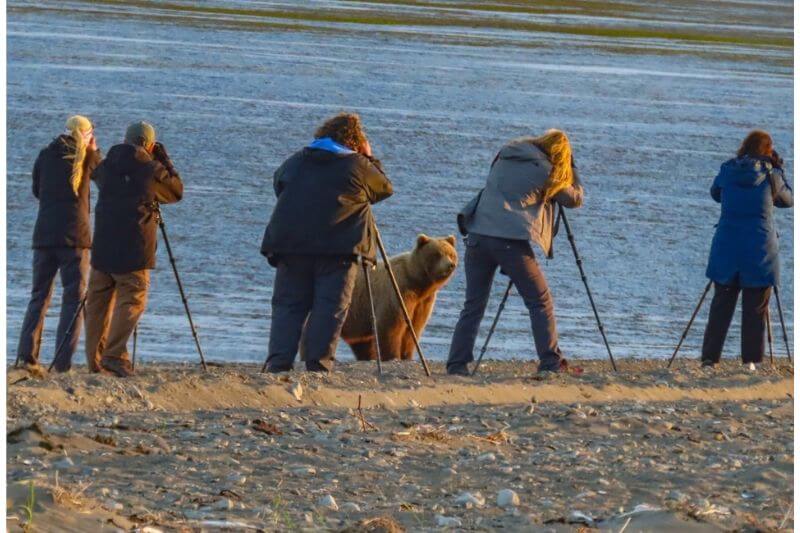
528,177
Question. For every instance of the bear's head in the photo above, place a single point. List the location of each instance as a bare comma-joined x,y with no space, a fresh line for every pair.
436,256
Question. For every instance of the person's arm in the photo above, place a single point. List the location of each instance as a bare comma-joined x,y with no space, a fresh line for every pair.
93,160
716,190
376,184
277,180
36,174
168,187
572,196
781,192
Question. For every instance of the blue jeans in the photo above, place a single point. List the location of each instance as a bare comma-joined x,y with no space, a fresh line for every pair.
73,263
515,258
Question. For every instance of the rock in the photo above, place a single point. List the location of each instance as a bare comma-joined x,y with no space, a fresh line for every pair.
112,505
507,498
305,471
350,507
327,502
487,457
66,462
224,504
297,391
447,521
577,517
677,496
237,479
468,500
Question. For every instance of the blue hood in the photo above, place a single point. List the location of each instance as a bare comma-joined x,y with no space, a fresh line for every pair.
747,171
328,144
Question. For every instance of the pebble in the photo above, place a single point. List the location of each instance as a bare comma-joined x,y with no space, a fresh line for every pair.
468,500
297,391
487,457
447,521
507,498
327,502
112,505
350,507
66,462
305,471
224,504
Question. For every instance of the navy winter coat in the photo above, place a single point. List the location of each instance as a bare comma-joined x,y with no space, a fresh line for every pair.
744,251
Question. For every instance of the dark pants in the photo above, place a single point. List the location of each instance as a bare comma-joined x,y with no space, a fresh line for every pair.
515,258
313,291
755,304
73,263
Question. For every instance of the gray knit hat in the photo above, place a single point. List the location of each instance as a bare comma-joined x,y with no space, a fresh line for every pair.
140,133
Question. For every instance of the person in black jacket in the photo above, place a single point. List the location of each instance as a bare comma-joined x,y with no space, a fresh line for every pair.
133,179
61,239
322,223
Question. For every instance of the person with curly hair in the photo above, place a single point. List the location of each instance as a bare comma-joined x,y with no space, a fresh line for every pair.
321,224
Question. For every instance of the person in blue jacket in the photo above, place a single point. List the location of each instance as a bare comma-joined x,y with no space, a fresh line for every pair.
744,251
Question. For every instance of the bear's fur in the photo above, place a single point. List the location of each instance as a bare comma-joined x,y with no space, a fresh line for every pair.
420,274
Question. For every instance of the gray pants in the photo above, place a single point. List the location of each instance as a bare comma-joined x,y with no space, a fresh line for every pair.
73,263
515,258
312,291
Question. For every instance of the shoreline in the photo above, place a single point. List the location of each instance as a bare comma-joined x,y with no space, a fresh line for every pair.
173,447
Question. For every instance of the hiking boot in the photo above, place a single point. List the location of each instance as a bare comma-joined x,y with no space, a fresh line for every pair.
34,369
458,369
562,367
707,363
119,367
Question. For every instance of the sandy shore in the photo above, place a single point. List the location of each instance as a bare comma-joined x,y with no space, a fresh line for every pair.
174,448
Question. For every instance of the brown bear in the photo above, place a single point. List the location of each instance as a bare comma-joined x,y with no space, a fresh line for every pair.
420,274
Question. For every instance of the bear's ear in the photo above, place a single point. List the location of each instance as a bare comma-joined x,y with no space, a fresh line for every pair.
452,240
422,240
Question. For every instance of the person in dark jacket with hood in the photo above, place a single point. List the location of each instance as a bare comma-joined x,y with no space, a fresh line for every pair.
322,223
133,179
528,177
61,239
744,251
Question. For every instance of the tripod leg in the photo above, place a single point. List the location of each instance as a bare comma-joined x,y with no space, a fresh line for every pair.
494,325
579,262
366,267
135,336
183,294
400,300
68,333
769,339
689,325
783,324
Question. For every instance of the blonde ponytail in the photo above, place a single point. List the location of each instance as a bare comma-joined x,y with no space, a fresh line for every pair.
556,145
79,128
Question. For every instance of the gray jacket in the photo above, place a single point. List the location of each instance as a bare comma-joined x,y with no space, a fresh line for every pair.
511,206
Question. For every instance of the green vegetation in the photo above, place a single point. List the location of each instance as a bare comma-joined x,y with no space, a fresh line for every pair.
449,15
29,506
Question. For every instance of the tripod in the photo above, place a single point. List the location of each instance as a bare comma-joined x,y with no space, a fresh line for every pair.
366,266
769,325
494,325
157,212
68,333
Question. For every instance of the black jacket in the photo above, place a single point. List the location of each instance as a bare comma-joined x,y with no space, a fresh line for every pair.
323,205
125,227
63,218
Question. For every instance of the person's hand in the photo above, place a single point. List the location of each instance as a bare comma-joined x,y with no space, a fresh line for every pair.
777,160
92,143
366,149
160,152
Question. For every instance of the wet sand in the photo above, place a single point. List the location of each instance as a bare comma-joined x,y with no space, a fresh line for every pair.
173,448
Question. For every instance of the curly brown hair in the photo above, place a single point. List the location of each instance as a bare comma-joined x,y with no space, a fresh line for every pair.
757,143
345,129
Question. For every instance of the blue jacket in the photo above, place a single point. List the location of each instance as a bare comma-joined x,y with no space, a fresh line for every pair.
744,250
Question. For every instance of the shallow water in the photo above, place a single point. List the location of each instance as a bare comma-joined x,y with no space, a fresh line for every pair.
651,121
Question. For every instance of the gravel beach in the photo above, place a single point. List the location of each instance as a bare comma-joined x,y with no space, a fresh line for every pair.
176,449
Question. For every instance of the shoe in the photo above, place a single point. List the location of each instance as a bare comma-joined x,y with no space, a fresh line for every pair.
562,368
707,362
119,367
459,369
34,369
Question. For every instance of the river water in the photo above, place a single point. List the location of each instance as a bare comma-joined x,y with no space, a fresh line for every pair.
232,94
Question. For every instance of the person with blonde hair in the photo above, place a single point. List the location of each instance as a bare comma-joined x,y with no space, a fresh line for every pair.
61,239
527,178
